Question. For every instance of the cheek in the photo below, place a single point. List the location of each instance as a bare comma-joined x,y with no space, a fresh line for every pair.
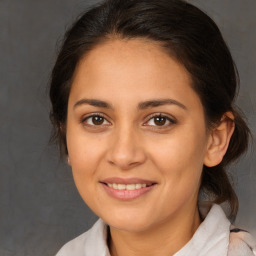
180,150
84,152
85,156
180,159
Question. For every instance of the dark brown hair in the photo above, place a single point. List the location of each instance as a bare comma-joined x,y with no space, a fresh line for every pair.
188,35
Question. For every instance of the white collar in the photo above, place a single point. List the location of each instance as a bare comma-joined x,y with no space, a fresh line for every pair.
211,238
96,244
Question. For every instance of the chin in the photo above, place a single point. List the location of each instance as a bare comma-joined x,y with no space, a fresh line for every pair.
128,222
129,227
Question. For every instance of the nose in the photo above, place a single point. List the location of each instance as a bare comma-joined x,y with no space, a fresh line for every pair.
126,150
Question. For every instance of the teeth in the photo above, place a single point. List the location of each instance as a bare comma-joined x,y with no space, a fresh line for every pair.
130,186
127,187
138,186
121,186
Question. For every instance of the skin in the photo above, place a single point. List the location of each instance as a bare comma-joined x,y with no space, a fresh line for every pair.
129,142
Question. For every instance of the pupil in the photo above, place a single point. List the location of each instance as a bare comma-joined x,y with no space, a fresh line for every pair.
97,120
160,120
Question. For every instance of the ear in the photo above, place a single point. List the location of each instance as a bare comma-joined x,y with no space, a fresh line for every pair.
219,139
68,160
62,128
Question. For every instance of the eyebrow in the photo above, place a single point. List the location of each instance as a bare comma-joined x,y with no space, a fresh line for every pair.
143,105
160,102
93,102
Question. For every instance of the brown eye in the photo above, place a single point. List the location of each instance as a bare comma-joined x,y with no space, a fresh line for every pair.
160,120
95,120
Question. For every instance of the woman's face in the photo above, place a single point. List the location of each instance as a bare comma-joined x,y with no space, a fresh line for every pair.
136,135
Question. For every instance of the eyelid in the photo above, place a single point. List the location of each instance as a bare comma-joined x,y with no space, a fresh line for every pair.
171,119
87,116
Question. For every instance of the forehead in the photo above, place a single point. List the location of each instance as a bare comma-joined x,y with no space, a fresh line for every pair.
134,62
126,73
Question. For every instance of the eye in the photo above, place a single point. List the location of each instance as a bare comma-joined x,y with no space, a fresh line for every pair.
95,120
160,120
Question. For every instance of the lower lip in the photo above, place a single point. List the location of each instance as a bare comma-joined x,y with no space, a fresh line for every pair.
126,194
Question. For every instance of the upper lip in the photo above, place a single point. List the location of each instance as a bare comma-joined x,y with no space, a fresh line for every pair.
127,181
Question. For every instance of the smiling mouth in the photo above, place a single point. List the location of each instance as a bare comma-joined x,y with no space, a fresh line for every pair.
127,189
127,186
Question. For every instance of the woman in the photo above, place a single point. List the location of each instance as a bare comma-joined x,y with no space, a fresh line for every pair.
143,107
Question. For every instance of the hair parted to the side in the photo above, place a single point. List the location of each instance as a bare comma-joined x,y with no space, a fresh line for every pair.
189,36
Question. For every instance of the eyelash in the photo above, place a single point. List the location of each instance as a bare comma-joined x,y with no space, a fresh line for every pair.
84,119
155,115
167,118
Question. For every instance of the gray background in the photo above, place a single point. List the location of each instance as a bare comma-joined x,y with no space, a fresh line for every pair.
40,208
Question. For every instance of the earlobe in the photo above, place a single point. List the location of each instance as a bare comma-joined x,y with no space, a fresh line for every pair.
68,161
219,139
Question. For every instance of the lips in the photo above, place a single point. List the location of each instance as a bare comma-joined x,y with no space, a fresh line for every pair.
117,180
127,189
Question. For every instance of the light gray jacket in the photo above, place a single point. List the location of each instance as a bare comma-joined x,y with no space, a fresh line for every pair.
212,238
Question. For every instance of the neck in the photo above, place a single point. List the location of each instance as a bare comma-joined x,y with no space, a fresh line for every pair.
164,239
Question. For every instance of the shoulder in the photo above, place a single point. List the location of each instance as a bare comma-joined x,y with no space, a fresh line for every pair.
92,242
241,243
